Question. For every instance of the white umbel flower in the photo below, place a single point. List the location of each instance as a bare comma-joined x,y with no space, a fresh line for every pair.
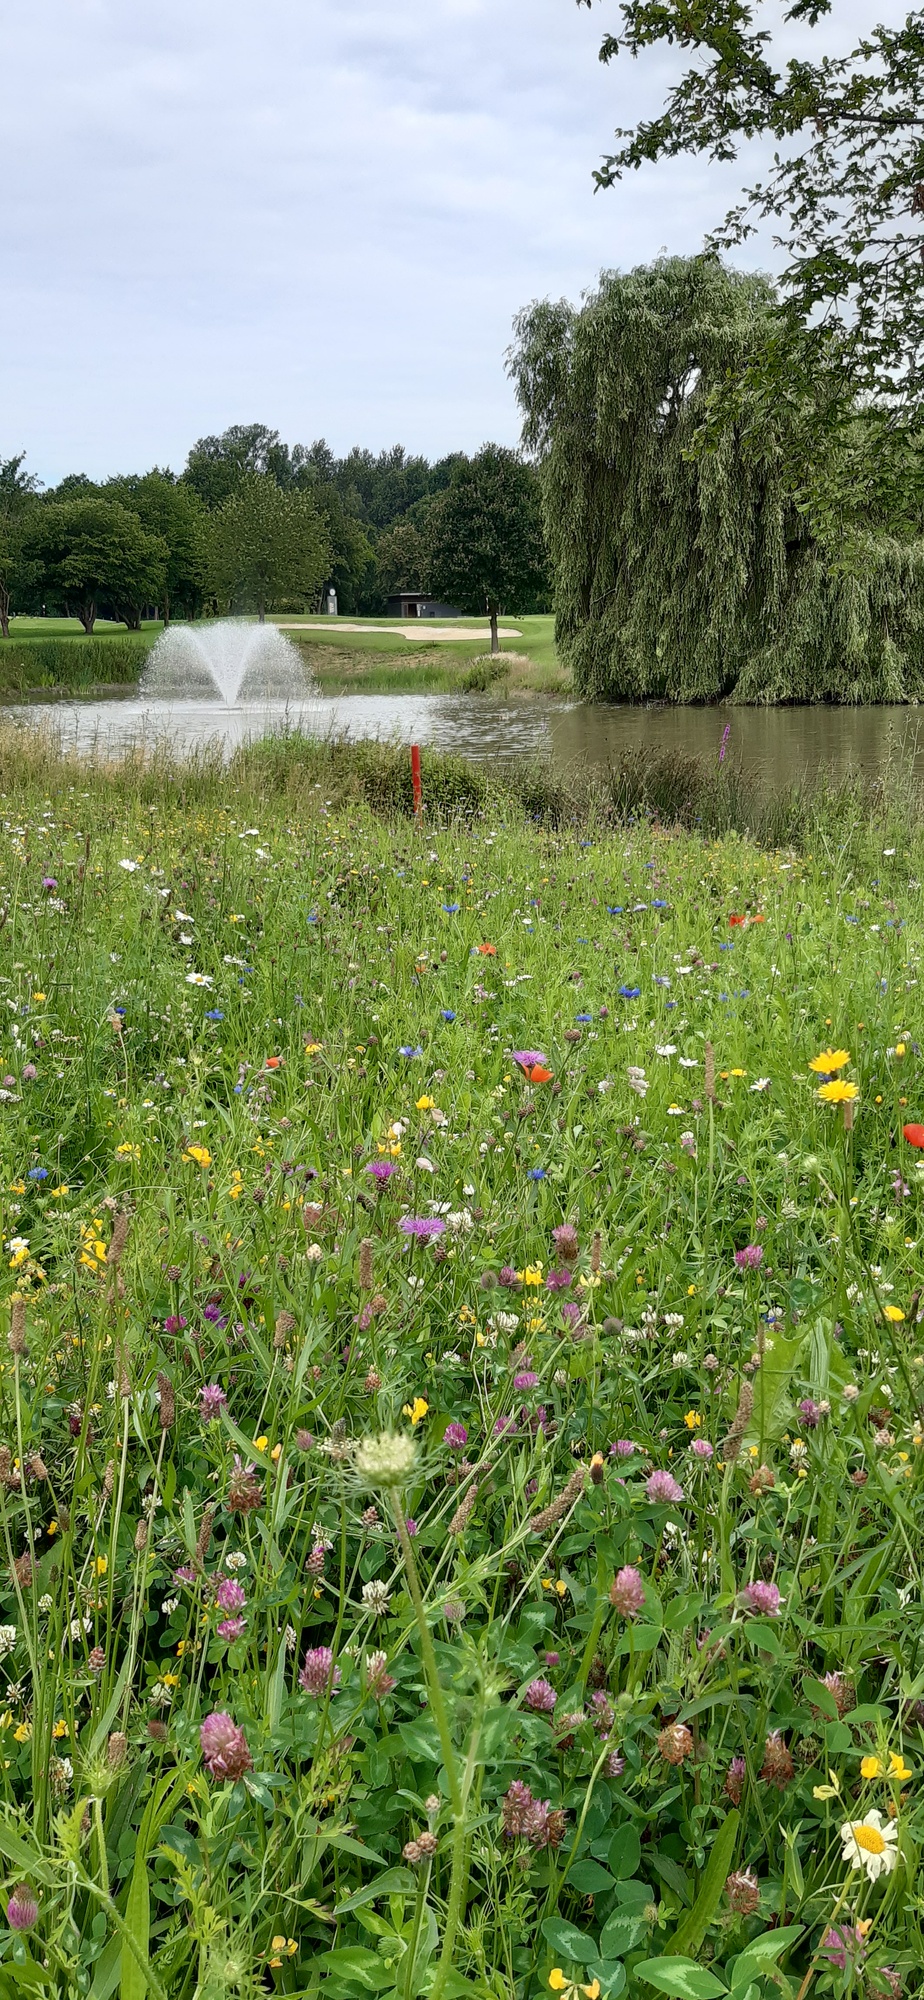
386,1460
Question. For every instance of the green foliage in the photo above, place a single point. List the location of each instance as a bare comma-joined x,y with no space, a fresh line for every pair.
846,184
684,569
267,546
93,555
195,1092
484,536
171,509
17,573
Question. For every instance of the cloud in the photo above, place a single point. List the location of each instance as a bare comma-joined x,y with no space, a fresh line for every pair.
323,218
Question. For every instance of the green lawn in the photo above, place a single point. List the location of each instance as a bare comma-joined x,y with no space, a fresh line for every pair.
343,660
71,628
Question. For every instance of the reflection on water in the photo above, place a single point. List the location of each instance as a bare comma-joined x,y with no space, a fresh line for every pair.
777,744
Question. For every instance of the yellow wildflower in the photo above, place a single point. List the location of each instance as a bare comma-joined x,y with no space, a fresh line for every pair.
829,1060
838,1092
416,1410
200,1155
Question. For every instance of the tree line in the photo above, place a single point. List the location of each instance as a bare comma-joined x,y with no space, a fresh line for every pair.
254,524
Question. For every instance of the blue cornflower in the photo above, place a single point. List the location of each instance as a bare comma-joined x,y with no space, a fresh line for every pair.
38,1174
214,1014
448,1014
659,903
727,947
407,1050
451,908
661,979
615,909
630,992
537,1173
119,1010
583,1017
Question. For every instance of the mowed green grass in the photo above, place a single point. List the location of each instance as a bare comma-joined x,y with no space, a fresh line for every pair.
343,661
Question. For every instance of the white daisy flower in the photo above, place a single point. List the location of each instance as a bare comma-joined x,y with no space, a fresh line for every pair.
871,1843
199,979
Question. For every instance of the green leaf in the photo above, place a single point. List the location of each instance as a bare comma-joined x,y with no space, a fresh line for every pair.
681,1978
394,1880
692,1928
568,1942
625,1852
590,1878
133,1984
421,1739
761,1953
621,1933
355,1962
611,1974
671,1872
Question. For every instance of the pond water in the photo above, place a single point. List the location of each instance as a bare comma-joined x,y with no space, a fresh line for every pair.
777,744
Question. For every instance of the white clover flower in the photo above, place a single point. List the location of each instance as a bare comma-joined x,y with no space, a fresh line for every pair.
46,1603
8,1638
376,1597
386,1460
235,1559
169,1606
871,1843
314,1253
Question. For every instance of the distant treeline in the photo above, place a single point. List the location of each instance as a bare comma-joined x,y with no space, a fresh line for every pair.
252,523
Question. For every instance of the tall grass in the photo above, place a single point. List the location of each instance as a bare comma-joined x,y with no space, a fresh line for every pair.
73,664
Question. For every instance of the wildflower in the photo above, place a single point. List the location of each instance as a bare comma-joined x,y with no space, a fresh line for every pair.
212,1400
734,1780
379,1682
422,1225
701,1448
829,1061
541,1696
675,1743
914,1135
627,1591
843,1947
22,1909
455,1435
244,1489
224,1747
416,1410
898,1769
871,1845
230,1596
376,1597
386,1460
750,1258
838,1092
569,1988
777,1768
743,1892
199,1155
199,979
382,1170
662,1486
893,1313
763,1598
319,1676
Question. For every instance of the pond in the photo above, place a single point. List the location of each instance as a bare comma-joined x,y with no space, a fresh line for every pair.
777,744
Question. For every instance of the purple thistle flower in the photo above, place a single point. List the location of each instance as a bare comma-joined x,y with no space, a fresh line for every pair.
540,1696
527,1058
455,1435
663,1486
763,1598
382,1170
212,1400
750,1258
319,1676
214,1315
224,1746
422,1225
49,882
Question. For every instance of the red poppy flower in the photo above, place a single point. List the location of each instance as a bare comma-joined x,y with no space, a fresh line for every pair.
914,1135
737,920
487,950
273,1062
539,1074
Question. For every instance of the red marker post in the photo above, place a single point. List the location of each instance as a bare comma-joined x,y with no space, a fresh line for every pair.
415,779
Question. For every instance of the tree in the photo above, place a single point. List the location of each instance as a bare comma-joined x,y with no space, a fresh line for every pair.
847,183
169,508
17,493
402,555
689,573
217,466
94,555
484,535
268,546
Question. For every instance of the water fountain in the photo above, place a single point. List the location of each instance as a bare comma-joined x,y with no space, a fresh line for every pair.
230,661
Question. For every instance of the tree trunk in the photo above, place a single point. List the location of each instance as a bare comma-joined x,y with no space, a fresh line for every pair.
492,614
166,609
262,614
87,615
4,613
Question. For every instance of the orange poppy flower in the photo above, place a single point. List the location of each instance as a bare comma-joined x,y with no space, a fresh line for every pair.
914,1135
737,920
539,1073
273,1062
487,950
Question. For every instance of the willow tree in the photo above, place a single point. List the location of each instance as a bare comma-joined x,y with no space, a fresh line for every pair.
683,568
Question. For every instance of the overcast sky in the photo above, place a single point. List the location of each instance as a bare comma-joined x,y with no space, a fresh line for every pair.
317,214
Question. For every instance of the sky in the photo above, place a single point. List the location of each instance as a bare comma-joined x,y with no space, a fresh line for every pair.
321,215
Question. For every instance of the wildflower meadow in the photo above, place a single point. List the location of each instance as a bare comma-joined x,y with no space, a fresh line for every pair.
461,1405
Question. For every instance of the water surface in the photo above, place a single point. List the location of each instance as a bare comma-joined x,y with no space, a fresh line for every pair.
777,744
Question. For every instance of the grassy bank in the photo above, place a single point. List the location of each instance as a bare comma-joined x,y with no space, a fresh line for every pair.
461,1448
383,662
35,659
